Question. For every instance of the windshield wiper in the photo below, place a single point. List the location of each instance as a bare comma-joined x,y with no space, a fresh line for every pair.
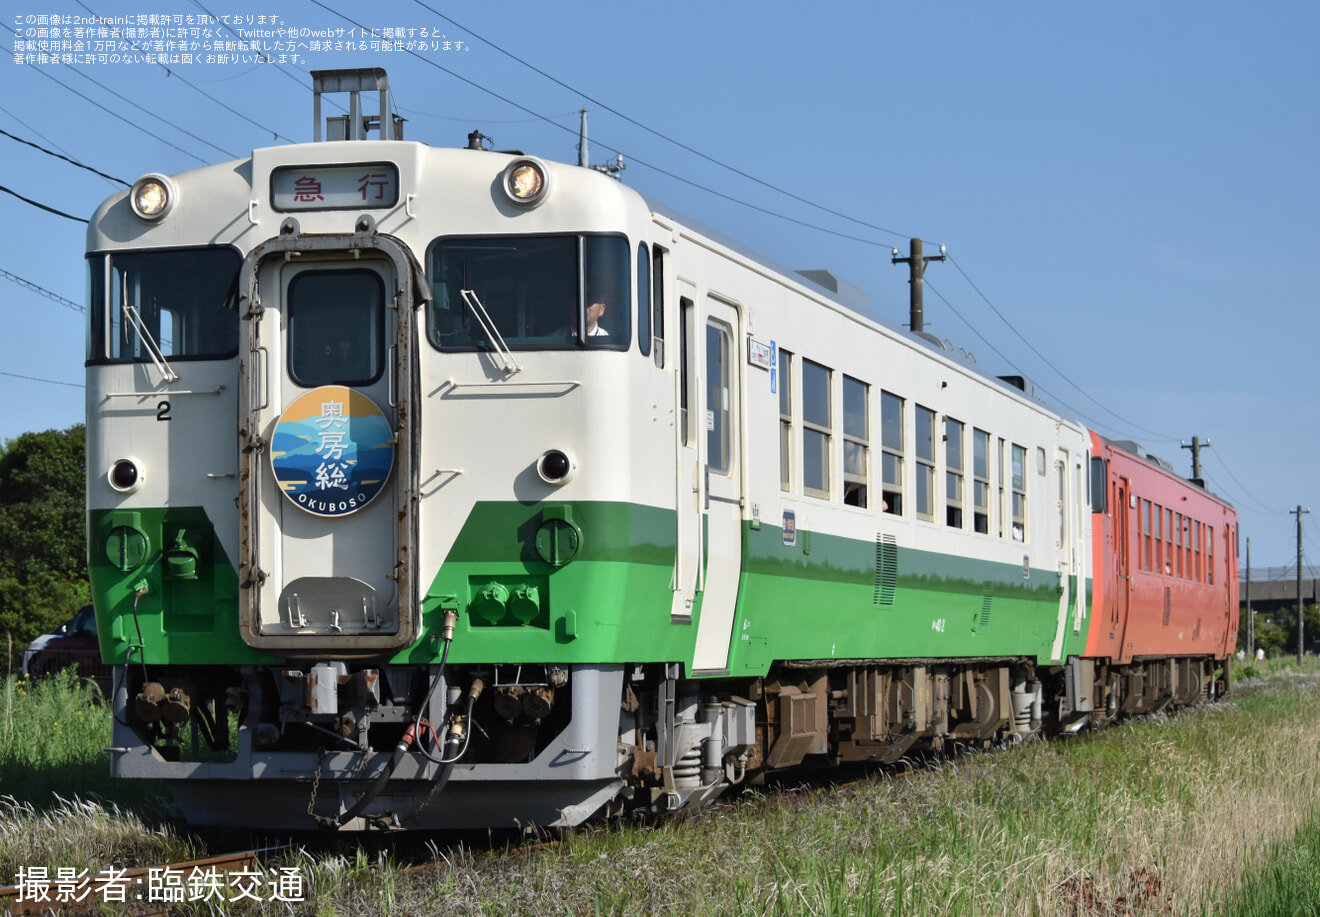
492,333
153,349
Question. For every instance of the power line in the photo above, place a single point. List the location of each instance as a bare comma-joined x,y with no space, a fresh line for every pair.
43,291
47,381
662,136
17,120
1053,397
198,89
106,110
1046,360
151,113
278,69
40,206
634,159
1219,459
65,158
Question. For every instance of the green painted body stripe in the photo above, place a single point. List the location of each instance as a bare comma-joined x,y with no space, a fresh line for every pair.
819,598
613,601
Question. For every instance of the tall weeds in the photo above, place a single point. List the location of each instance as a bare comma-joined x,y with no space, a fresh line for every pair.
1166,816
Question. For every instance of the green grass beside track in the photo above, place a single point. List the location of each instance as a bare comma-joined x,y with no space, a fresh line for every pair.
1214,812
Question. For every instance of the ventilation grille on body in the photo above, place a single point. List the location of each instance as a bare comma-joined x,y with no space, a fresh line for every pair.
886,569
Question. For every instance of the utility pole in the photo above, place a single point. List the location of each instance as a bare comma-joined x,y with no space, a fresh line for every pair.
1196,446
916,263
1301,645
584,148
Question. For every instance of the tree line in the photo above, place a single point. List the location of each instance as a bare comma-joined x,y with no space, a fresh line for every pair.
43,536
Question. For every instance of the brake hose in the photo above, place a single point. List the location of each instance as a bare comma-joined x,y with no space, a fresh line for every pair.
409,736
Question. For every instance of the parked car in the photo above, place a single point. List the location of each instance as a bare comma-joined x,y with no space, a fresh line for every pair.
72,643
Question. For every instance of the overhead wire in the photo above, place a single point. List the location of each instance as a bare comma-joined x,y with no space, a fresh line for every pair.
67,159
278,68
1219,460
1046,360
1007,361
41,206
47,381
656,133
17,120
36,288
793,196
632,158
201,91
113,114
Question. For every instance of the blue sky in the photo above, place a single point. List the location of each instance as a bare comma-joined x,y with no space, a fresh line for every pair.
1128,191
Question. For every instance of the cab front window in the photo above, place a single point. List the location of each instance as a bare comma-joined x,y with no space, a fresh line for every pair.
182,301
555,292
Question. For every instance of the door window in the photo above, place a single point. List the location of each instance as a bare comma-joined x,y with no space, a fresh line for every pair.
717,404
336,328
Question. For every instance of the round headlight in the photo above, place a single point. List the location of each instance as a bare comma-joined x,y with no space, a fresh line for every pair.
125,476
555,467
152,197
526,182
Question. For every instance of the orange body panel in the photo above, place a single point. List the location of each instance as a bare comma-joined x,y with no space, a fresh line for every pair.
1164,564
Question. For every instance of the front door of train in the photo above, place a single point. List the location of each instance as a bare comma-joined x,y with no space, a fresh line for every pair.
721,426
327,521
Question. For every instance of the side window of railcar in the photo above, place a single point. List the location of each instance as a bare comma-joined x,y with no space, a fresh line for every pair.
182,301
643,299
1019,493
530,293
336,327
785,380
1157,535
1178,545
1172,543
658,304
981,481
1099,482
925,468
1146,562
816,420
953,473
891,442
856,441
1002,465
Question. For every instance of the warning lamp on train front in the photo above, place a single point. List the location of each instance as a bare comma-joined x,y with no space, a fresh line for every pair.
526,182
152,197
125,475
555,467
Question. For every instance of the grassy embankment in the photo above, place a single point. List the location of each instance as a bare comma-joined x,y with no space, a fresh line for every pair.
1216,812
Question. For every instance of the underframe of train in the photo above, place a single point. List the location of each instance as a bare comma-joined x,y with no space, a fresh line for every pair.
349,746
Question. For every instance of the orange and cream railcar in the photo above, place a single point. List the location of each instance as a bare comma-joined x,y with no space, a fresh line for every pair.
1164,579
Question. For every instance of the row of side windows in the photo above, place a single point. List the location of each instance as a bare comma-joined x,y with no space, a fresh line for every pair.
968,487
1174,544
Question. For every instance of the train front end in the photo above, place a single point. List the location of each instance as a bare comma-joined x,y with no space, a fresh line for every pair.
380,482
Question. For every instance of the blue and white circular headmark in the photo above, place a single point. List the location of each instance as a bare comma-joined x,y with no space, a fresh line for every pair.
332,451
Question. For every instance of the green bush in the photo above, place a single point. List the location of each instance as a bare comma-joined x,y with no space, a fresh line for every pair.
53,735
